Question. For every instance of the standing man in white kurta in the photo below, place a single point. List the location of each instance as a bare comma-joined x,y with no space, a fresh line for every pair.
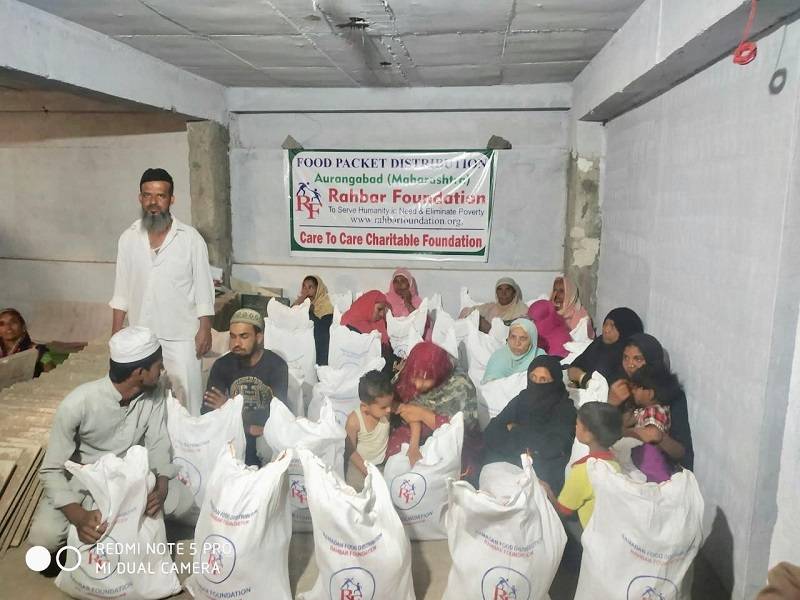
163,282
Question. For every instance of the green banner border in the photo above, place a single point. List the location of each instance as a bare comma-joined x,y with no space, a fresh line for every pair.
295,246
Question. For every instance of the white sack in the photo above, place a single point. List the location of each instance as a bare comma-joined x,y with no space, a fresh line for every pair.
197,441
642,537
581,331
466,300
503,548
499,330
296,347
480,348
325,438
419,493
495,395
575,349
289,317
444,333
119,488
406,332
360,547
243,533
342,300
350,349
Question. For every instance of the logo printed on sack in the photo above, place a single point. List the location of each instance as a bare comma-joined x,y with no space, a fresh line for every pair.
217,558
297,491
408,490
650,587
354,583
188,474
308,199
98,561
502,583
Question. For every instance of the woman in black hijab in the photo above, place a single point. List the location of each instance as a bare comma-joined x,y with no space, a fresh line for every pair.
642,349
540,420
604,354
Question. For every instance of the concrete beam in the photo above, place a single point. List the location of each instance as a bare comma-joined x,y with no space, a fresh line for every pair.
40,44
548,96
663,43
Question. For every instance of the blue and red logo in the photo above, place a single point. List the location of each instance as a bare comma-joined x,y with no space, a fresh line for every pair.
650,587
217,558
408,490
503,583
354,583
307,199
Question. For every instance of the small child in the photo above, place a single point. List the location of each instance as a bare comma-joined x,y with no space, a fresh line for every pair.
367,427
651,409
650,390
598,426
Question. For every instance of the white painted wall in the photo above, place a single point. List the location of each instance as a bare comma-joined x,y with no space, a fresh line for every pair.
698,219
528,218
70,188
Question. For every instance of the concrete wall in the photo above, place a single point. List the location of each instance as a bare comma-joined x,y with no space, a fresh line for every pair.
71,178
528,218
699,222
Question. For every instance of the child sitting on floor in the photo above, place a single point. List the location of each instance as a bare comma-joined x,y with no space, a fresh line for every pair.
367,427
598,426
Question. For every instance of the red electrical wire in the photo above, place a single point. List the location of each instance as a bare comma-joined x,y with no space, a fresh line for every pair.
746,51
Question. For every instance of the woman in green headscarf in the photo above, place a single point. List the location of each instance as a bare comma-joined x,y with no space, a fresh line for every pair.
518,352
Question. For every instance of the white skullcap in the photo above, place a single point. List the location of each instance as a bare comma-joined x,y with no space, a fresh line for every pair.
132,344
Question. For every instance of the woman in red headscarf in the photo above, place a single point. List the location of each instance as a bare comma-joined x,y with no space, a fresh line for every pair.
553,331
367,314
431,392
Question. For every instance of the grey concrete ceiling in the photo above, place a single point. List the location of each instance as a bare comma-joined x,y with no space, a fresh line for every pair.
355,43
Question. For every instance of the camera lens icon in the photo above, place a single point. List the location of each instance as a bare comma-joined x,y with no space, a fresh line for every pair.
38,558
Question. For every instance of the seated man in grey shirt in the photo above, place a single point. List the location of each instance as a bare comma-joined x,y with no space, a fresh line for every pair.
123,409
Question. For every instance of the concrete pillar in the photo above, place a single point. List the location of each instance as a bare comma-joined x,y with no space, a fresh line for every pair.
210,188
582,241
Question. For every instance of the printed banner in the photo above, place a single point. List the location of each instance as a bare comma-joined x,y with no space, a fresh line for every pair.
383,204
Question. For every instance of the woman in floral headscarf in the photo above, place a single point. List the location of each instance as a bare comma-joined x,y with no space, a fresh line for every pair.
431,392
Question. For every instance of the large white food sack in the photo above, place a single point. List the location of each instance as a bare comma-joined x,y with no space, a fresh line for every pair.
499,330
350,349
197,441
495,395
406,332
642,537
420,492
506,541
435,302
360,546
325,438
466,300
581,331
242,537
480,348
342,301
296,347
575,349
340,387
463,328
289,317
118,489
444,333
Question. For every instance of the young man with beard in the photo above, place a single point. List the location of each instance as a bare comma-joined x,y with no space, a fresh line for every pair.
123,409
253,372
163,282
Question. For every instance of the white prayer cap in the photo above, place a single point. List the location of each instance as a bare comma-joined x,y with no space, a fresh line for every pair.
132,344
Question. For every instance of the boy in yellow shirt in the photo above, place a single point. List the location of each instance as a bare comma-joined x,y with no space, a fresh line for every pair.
598,426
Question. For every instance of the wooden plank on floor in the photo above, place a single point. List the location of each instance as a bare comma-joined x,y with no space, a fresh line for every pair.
25,525
6,469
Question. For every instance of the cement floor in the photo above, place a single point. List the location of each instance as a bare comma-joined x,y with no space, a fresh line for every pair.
430,567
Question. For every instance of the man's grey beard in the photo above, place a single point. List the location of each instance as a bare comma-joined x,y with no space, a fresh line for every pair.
155,223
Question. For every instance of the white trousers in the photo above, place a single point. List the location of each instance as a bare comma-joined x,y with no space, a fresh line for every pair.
185,375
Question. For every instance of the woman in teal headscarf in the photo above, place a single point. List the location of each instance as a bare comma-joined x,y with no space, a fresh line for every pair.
518,352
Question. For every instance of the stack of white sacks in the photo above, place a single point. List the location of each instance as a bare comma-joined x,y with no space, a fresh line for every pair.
504,539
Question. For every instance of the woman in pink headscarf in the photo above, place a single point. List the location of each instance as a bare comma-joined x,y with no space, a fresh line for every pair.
368,313
402,296
567,301
553,331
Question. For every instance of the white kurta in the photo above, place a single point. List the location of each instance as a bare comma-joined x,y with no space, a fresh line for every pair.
167,292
